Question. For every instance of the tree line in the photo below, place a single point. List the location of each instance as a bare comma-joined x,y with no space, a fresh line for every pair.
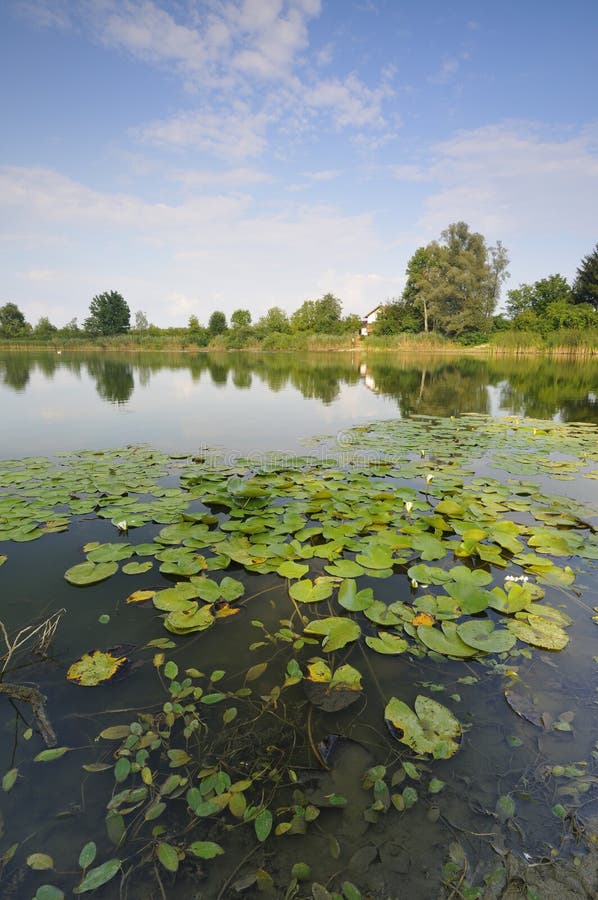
452,289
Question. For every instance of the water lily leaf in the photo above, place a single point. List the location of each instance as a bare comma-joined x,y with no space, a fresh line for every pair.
185,621
231,589
428,729
380,613
425,575
95,667
521,701
140,596
110,553
539,632
352,599
345,568
471,599
307,591
337,631
331,691
465,575
429,546
95,878
290,569
481,634
447,642
137,568
375,558
3,559
90,572
387,643
176,598
514,599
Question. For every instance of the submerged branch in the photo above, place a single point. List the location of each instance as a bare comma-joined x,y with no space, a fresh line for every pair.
31,695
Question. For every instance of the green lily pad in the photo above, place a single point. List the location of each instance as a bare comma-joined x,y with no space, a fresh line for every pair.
98,666
185,621
387,643
110,553
428,729
352,599
445,641
539,632
336,630
90,572
307,591
481,634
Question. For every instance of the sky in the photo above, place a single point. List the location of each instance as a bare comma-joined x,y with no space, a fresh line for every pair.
221,154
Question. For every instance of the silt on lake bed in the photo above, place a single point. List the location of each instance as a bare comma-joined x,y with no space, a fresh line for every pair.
365,672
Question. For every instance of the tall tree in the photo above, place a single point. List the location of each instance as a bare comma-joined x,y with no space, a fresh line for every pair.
241,318
217,323
141,322
585,286
12,321
44,328
456,282
275,319
109,313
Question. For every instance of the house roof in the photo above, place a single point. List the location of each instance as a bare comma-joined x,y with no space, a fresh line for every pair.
380,305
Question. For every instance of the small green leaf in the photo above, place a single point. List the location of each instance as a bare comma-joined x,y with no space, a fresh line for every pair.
87,855
205,849
95,878
263,825
168,856
49,755
48,892
40,861
9,779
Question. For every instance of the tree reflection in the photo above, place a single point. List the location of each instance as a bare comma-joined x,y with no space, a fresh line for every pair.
114,379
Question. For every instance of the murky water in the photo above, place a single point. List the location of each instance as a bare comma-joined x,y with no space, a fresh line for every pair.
250,404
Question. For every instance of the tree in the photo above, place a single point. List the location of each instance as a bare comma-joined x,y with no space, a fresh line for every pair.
109,313
71,329
193,324
456,282
537,297
321,316
241,318
217,323
275,319
585,286
141,322
44,329
12,321
398,316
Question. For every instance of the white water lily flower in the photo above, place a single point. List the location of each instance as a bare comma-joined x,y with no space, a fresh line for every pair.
408,506
429,477
122,526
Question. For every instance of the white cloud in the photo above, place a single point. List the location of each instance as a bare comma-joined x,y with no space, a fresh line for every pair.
513,176
349,101
323,175
235,133
43,275
229,178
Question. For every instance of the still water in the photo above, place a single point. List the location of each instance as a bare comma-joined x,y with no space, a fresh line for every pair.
498,790
250,402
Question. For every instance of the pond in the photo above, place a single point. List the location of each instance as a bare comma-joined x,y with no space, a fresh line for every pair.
309,626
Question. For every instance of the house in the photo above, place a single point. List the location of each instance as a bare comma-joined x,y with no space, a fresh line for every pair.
368,322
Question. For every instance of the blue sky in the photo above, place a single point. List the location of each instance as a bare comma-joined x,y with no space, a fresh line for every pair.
215,154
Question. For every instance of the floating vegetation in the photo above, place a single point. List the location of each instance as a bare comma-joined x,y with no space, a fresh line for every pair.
346,577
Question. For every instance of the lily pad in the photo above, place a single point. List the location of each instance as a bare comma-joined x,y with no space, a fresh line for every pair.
90,573
307,591
428,729
336,630
96,667
481,634
539,632
331,691
387,643
445,641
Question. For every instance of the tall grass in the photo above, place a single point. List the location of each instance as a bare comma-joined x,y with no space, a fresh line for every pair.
564,342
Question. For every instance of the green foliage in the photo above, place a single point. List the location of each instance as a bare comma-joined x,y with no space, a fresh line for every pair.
217,323
535,298
321,316
44,330
585,286
108,314
12,322
240,318
275,320
399,316
454,285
